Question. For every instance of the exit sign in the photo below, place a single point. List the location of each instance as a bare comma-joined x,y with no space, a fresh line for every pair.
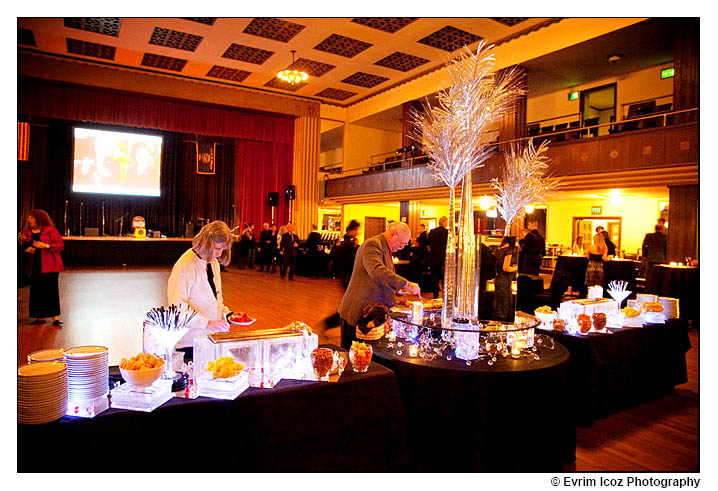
596,210
572,96
668,72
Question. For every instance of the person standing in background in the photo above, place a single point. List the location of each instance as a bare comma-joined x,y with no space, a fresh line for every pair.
314,249
504,307
288,249
610,246
654,250
41,239
265,247
252,244
437,255
533,249
347,251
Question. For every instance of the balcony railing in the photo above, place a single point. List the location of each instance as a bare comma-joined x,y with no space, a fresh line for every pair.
654,120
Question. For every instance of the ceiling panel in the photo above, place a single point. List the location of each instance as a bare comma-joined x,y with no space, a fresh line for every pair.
354,57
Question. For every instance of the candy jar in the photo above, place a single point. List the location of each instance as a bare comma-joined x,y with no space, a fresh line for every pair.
599,321
584,323
559,324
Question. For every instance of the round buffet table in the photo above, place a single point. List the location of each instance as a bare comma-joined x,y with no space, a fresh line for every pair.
513,415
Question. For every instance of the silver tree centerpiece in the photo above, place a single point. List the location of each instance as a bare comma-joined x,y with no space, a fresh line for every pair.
523,181
455,135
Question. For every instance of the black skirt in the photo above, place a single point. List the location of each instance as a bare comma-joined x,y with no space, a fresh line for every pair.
44,295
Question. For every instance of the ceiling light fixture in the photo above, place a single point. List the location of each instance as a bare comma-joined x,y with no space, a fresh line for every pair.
293,77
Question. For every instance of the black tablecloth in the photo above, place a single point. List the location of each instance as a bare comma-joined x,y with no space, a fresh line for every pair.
611,372
356,424
681,283
575,268
512,416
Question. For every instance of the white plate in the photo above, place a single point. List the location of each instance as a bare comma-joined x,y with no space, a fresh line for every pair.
403,292
42,368
243,323
85,351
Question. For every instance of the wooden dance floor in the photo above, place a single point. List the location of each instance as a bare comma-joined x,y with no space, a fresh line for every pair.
106,306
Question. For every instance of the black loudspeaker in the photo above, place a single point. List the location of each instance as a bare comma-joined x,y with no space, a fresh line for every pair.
290,191
273,199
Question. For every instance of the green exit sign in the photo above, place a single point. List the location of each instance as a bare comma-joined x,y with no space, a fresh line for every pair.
572,96
596,210
668,72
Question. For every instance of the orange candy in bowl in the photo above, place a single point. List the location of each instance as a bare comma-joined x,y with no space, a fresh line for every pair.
142,369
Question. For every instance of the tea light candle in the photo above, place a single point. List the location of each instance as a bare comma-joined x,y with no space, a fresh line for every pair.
515,351
413,350
391,335
673,263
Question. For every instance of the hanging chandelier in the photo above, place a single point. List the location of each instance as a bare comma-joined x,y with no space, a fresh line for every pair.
293,77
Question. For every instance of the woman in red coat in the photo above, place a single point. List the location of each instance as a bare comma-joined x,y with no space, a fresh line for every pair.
44,242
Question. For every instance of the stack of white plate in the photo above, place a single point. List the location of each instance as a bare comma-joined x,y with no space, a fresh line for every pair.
670,307
87,373
41,392
645,298
55,354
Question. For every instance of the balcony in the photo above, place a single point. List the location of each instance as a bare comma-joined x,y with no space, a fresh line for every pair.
650,148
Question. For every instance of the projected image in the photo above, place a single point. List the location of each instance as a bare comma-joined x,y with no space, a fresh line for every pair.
111,162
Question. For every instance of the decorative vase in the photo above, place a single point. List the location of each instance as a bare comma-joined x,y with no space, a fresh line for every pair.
466,297
449,287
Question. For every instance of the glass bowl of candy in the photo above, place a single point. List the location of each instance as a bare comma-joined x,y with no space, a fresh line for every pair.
360,356
599,321
584,323
322,361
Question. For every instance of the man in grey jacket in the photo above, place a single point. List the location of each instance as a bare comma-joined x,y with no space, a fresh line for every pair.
373,278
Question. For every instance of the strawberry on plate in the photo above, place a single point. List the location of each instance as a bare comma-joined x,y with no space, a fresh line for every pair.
240,318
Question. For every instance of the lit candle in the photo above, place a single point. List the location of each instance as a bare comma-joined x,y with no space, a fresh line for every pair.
673,263
391,335
515,350
413,350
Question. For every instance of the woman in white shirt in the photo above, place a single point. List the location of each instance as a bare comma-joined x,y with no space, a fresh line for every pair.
196,281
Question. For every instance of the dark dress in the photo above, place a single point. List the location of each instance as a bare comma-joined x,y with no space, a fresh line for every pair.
504,305
44,289
594,270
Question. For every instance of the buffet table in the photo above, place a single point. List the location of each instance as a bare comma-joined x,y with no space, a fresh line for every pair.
611,372
512,416
356,424
680,282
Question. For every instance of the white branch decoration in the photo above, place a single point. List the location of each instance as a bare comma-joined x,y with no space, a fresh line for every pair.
455,134
523,181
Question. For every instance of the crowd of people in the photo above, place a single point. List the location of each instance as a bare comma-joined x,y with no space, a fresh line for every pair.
367,271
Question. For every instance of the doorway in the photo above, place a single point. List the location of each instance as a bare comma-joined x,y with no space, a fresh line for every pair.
374,226
586,228
598,106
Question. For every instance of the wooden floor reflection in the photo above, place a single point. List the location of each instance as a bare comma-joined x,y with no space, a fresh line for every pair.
106,306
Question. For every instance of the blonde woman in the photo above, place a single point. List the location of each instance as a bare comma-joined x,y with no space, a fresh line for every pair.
195,281
597,253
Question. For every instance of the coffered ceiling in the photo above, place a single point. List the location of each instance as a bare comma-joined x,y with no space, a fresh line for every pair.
348,59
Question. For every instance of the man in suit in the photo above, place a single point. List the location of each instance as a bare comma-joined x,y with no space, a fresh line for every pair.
288,250
373,278
437,254
533,249
654,250
314,252
265,247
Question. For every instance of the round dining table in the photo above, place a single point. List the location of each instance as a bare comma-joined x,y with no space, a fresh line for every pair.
677,281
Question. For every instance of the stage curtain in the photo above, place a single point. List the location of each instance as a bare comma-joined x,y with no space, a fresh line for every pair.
261,168
42,98
305,178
